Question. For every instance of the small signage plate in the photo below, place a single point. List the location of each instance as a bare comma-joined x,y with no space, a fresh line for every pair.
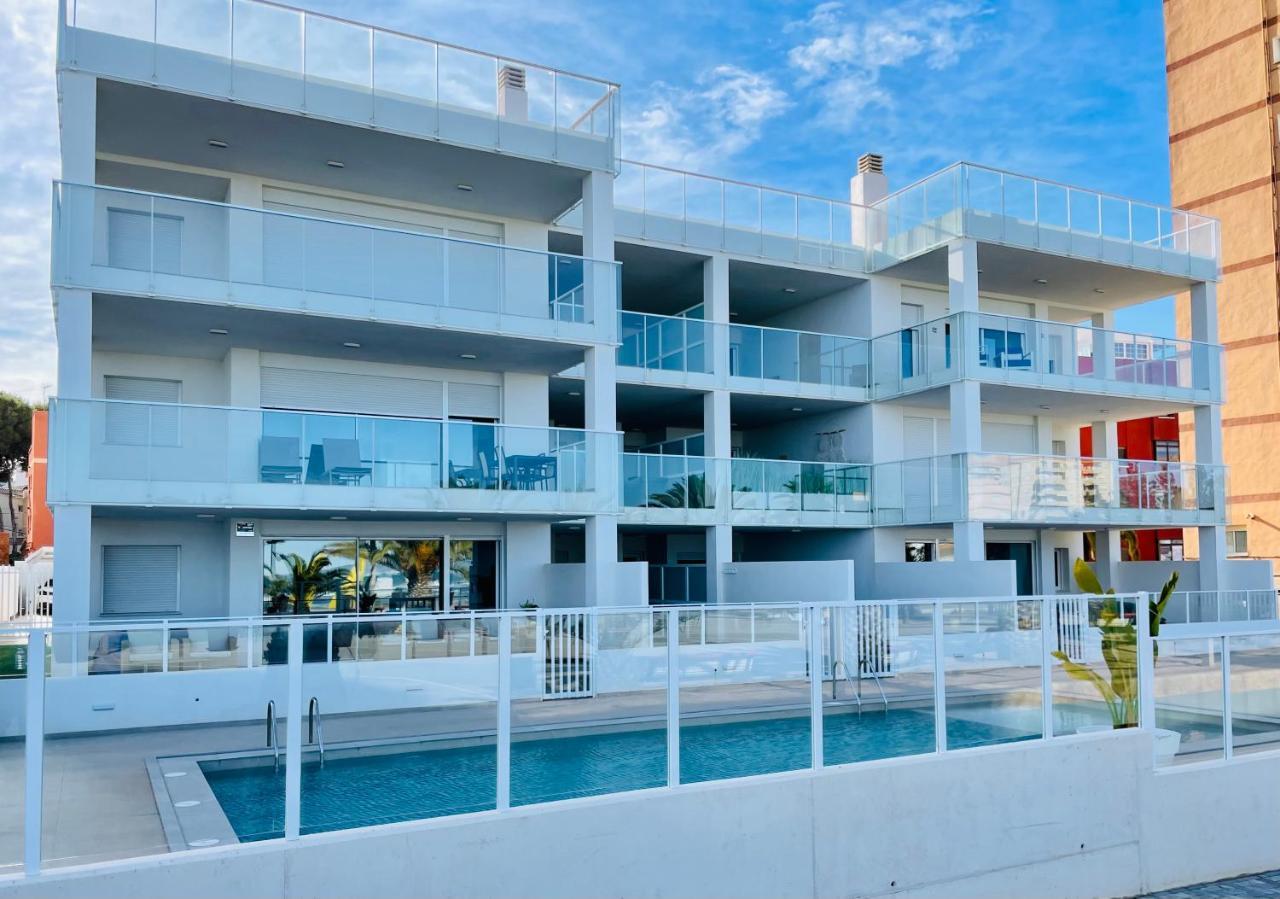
245,529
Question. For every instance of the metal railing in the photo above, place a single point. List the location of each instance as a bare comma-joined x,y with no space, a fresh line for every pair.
803,357
135,242
1208,606
282,57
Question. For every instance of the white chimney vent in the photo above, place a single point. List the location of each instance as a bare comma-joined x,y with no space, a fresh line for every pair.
513,99
871,162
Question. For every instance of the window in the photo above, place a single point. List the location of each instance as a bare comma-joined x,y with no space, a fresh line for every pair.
137,421
1237,542
140,580
930,550
1167,451
144,242
1169,549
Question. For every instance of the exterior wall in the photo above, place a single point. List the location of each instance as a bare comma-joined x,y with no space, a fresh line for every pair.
1056,839
39,518
1222,85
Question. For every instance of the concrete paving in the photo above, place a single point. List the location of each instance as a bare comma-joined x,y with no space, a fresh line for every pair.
1256,885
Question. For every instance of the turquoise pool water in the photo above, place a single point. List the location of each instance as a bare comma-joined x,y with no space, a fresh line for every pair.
356,791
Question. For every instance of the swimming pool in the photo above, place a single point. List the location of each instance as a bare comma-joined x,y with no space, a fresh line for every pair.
423,782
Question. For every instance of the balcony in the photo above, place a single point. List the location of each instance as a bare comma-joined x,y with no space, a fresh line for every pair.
1025,352
664,205
989,205
267,55
114,452
696,490
142,244
1049,490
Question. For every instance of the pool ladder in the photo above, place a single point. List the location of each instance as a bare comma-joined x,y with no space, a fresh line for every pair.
836,668
315,729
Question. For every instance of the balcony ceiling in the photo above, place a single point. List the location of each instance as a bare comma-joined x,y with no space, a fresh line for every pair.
139,325
172,127
758,291
1013,271
346,517
749,410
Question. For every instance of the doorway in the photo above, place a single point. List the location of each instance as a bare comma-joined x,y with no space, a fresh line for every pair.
1022,556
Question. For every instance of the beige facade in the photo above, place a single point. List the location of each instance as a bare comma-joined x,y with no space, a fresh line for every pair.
1224,96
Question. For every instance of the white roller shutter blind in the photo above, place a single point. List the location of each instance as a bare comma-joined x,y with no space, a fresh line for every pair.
139,580
129,236
326,391
474,401
1003,437
133,424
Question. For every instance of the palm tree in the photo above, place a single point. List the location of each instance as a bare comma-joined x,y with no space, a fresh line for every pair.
418,561
690,494
307,578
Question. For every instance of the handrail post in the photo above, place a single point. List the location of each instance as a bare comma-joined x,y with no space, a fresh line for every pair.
815,687
673,698
1048,628
504,712
939,682
293,737
1228,731
34,751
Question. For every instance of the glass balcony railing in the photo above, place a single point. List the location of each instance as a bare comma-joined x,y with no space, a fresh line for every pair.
1033,352
672,584
801,357
967,200
142,243
667,205
266,54
114,451
665,342
770,485
651,481
1009,487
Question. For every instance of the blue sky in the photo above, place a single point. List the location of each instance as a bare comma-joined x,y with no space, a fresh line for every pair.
785,92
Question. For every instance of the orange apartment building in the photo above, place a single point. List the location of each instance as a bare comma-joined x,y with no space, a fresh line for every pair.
1223,73
39,519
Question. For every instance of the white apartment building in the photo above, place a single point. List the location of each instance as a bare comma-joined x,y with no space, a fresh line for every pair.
350,320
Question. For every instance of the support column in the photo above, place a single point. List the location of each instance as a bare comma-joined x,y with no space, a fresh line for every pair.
600,280
69,444
1211,491
962,305
719,554
78,126
1104,346
1106,445
715,309
600,397
73,563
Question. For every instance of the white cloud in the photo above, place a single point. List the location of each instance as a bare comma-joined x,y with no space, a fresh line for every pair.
28,164
846,51
696,128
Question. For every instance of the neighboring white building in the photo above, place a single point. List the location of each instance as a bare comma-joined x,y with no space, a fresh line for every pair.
399,304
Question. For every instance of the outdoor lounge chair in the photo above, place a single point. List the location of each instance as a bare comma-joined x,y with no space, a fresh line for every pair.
279,461
342,462
1016,355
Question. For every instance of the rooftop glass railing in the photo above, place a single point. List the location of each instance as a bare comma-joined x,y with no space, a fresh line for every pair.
1035,352
114,451
967,200
268,54
1012,487
657,203
142,243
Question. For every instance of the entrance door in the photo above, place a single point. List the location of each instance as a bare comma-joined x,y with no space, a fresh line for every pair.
912,317
473,574
1021,554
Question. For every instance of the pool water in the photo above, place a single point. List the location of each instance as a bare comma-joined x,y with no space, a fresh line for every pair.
362,790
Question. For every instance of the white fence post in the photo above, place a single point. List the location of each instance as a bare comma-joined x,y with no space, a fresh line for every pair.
1146,665
293,737
504,712
673,697
939,682
34,744
815,686
1228,731
1048,631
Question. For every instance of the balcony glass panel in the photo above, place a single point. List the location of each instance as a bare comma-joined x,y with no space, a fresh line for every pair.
842,490
916,357
799,357
136,242
668,481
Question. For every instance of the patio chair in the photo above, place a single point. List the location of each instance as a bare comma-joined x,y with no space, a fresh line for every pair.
279,461
342,461
1016,355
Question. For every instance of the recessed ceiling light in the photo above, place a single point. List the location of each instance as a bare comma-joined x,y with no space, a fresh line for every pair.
205,515
351,345
465,188
733,315
979,271
795,530
1042,280
1045,408
335,164
217,330
797,408
466,355
337,518
217,144
575,527
575,393
1098,290
463,518
1103,411
788,290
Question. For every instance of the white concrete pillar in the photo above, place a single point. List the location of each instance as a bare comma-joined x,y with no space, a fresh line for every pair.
242,369
715,306
70,431
719,554
1206,362
72,563
1106,445
866,188
528,551
966,416
1104,346
244,573
73,321
962,297
600,399
600,280
78,126
970,542
245,230
1210,486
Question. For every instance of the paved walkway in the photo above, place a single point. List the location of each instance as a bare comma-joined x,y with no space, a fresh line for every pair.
1267,884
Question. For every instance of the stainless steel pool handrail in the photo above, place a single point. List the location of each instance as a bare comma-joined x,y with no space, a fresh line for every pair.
273,741
866,669
848,676
315,729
